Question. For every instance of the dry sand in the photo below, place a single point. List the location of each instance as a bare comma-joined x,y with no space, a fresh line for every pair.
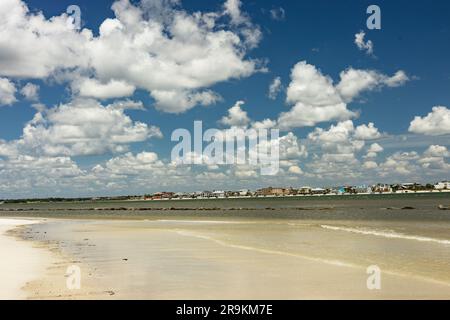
20,261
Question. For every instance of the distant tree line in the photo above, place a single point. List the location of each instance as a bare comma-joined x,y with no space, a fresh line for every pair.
45,200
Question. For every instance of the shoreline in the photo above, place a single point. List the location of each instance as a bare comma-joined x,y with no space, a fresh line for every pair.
290,196
237,254
184,260
38,270
22,261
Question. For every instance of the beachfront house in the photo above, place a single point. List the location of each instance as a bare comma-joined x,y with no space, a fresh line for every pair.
182,195
244,193
278,191
265,192
318,191
206,194
344,190
363,189
405,187
382,188
196,194
218,194
443,185
273,192
162,195
231,194
304,190
340,190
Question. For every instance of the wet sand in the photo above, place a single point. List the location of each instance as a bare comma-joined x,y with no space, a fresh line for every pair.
237,259
296,248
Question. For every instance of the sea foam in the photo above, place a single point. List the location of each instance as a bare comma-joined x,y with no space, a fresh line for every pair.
386,234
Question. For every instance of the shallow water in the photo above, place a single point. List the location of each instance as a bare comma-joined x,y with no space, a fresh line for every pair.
321,251
361,207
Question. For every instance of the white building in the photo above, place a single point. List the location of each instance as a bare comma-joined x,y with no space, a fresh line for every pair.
381,188
244,192
363,189
442,185
218,194
305,190
318,191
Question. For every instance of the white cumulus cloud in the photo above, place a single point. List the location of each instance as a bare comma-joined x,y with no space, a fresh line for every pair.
437,122
367,132
152,45
81,127
7,92
236,116
354,82
316,99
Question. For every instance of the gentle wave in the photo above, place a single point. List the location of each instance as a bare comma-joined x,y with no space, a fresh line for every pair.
265,251
386,234
332,262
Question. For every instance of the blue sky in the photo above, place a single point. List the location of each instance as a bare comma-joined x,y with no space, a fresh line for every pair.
274,38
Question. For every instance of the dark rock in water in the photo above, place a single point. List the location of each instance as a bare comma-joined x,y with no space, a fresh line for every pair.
396,208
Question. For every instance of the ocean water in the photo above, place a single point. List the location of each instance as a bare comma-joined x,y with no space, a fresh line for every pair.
423,207
256,248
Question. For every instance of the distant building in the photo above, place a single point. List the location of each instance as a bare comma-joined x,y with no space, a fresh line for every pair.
341,190
363,189
206,194
264,192
292,192
443,185
182,195
244,193
344,190
218,194
304,190
273,192
411,187
382,188
162,195
279,191
231,194
317,191
408,186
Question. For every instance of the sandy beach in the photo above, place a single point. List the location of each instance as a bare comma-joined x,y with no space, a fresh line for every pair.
299,249
173,259
21,262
